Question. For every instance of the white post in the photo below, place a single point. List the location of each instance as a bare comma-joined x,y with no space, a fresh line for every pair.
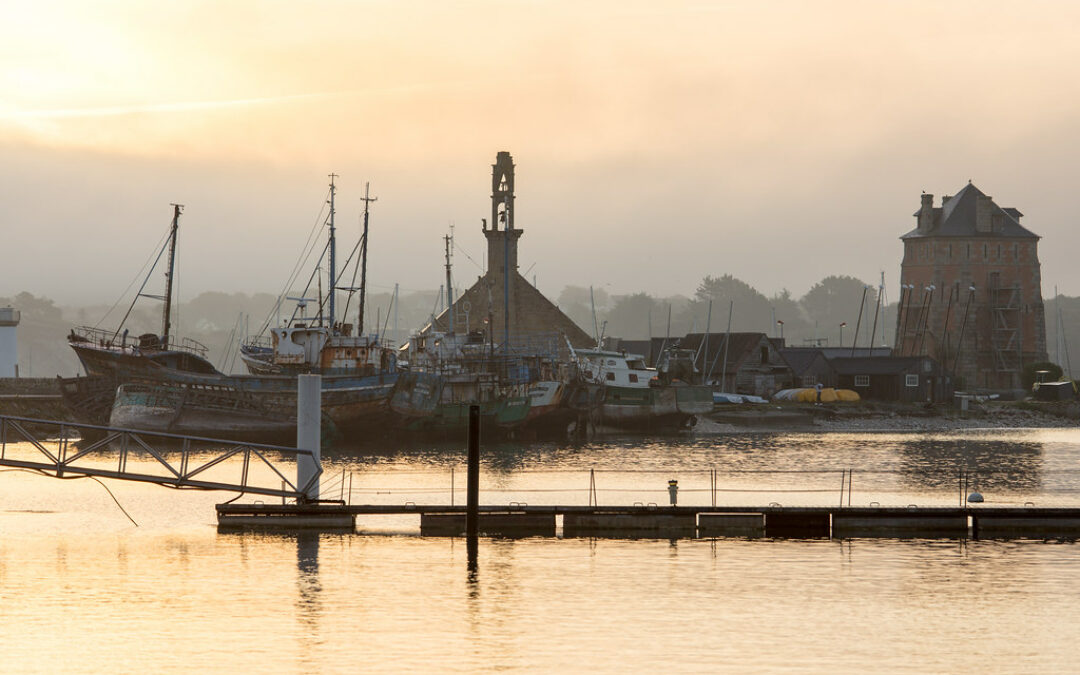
308,431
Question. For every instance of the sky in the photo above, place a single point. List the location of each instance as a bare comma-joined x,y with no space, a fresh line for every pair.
655,143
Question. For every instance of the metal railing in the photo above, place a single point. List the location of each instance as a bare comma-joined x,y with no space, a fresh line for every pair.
825,487
64,450
109,339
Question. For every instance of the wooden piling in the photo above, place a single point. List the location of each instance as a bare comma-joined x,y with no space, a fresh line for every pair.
473,485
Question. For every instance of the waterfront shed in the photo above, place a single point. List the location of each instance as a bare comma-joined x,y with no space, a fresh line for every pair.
907,379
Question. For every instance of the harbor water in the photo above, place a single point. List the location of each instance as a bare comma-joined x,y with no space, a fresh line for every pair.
84,589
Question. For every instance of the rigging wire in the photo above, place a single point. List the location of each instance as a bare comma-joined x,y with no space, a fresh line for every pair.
352,284
229,344
301,261
176,284
136,277
466,254
137,295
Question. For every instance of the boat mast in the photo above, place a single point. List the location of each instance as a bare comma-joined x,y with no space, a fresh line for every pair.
363,260
449,288
333,252
169,276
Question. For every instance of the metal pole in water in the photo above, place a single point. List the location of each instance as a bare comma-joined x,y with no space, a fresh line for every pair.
472,509
308,433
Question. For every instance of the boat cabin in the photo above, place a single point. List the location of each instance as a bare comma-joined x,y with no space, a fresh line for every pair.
614,368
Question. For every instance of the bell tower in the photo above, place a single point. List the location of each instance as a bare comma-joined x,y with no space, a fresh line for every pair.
502,236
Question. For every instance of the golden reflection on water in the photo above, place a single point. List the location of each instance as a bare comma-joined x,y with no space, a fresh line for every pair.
84,590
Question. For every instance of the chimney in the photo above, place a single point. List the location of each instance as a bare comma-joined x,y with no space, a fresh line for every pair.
926,213
945,200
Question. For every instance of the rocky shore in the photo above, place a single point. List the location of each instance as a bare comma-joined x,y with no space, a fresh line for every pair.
870,416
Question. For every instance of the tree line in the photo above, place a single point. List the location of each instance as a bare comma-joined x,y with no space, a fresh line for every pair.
220,320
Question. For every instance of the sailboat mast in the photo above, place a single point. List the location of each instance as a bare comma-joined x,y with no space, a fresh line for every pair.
167,312
449,289
333,251
363,260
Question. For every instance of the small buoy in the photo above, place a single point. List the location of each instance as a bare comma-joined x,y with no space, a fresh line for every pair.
975,498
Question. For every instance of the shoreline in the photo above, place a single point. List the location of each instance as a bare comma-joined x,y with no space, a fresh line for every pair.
871,417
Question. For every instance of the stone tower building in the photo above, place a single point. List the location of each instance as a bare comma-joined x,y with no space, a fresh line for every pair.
971,291
484,306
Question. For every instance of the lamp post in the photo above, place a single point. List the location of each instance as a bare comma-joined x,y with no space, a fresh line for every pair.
781,324
842,324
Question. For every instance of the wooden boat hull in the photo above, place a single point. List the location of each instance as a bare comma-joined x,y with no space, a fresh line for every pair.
430,404
653,408
248,408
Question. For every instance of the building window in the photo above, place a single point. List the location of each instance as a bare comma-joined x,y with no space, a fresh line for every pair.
1016,252
809,380
999,251
633,377
911,380
967,253
862,380
764,354
986,252
948,250
611,376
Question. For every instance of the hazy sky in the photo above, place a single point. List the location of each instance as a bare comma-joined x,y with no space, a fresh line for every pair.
655,142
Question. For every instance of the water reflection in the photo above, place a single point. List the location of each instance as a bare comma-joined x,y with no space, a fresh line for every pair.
309,599
993,464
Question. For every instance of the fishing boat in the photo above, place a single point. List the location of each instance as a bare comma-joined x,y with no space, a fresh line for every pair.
161,393
246,407
620,392
115,353
515,385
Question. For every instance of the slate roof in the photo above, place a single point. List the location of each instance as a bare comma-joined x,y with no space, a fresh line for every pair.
957,219
801,360
742,345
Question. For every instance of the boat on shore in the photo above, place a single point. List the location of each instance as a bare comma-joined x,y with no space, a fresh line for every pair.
516,385
147,387
248,408
621,393
115,353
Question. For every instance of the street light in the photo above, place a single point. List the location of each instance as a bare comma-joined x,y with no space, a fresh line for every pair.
842,324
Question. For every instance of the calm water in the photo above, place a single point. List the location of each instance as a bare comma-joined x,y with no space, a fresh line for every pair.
82,589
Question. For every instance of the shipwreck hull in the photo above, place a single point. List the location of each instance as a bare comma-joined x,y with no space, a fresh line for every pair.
250,408
652,408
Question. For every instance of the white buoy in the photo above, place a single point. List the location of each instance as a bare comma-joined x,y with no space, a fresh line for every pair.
975,498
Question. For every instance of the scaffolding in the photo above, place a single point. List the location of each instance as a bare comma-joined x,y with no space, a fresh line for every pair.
1006,341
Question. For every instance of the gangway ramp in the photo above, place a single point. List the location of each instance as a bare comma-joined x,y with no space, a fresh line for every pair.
64,450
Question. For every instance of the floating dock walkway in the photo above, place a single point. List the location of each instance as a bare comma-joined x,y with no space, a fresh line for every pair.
805,522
